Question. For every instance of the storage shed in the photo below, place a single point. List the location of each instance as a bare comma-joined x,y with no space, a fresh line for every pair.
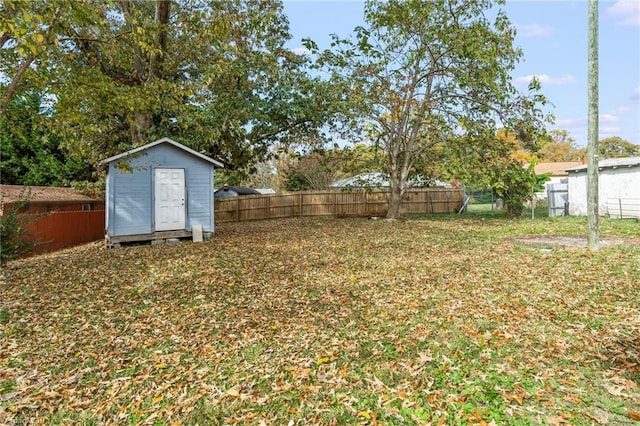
158,191
618,188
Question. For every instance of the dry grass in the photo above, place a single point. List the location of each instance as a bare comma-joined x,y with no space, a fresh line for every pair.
327,321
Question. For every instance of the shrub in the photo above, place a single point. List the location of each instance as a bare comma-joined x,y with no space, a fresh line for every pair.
14,238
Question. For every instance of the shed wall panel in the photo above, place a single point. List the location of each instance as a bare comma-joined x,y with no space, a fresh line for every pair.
200,197
132,203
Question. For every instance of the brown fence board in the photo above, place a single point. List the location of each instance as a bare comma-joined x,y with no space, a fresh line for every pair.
334,203
66,229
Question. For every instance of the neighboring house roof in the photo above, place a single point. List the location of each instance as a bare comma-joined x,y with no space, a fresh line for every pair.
374,179
610,163
234,191
381,180
158,142
266,191
11,193
556,168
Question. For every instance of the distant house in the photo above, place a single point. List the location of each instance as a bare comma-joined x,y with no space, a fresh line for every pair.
618,188
160,190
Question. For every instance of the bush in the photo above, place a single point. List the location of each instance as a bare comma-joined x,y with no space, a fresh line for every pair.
14,238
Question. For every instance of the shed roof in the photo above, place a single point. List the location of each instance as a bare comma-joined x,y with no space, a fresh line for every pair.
158,142
610,163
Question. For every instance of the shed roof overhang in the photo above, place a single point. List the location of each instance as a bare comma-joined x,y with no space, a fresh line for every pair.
609,163
158,142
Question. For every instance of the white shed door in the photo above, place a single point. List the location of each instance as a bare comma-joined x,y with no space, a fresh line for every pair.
169,195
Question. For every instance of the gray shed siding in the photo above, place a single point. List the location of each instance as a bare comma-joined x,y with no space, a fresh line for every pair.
130,194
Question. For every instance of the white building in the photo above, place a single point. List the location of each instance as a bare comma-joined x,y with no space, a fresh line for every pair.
618,188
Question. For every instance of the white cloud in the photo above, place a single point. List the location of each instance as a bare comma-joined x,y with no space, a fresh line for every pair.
534,30
545,80
608,131
301,51
621,110
605,121
635,94
571,123
627,11
608,118
578,127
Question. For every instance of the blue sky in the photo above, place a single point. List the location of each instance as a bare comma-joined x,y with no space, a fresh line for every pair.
553,36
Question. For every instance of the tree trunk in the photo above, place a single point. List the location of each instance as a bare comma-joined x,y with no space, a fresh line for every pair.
140,127
162,20
395,200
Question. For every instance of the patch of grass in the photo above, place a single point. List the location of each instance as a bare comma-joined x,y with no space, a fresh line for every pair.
65,417
7,386
4,315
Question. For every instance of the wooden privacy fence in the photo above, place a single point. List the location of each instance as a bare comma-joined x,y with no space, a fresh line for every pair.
334,203
61,229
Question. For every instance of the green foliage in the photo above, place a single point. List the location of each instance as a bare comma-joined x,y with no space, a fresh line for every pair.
230,177
14,238
316,171
359,158
30,42
93,189
490,163
319,168
563,148
616,147
513,184
30,153
295,181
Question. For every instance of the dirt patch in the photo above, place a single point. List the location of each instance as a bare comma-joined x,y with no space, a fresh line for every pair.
572,241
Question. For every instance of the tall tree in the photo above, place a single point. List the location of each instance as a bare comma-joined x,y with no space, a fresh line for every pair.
616,147
562,147
215,75
427,72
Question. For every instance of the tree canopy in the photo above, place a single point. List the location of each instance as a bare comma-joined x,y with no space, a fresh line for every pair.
214,75
561,147
616,147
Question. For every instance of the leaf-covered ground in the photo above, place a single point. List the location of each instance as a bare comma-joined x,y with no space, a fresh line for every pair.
328,321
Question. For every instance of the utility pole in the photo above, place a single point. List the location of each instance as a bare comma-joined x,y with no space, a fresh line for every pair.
593,235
